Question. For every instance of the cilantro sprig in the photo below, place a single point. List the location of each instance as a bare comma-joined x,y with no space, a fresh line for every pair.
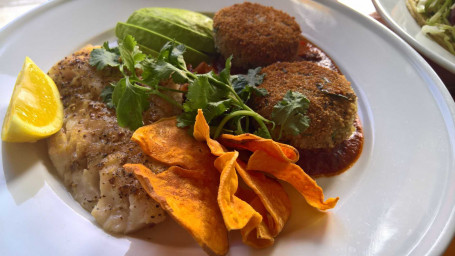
222,97
130,95
290,114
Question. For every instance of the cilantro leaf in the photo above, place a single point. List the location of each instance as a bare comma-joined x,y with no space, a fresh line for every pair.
106,95
131,55
104,56
186,119
215,109
290,114
215,94
201,92
225,74
157,70
246,85
130,101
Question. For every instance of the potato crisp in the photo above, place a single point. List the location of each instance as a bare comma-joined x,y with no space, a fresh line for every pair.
201,188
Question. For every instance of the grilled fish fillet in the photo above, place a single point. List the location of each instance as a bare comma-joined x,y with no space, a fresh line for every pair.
90,149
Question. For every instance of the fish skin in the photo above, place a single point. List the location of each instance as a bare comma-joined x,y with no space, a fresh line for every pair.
90,149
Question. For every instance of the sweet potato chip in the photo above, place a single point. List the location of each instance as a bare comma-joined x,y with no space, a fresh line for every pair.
202,133
236,213
262,237
273,200
278,160
253,143
293,174
168,144
201,188
190,197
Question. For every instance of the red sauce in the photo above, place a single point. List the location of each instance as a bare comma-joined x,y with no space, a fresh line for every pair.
310,52
333,161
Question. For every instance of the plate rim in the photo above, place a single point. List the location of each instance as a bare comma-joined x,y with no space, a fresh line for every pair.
331,4
443,62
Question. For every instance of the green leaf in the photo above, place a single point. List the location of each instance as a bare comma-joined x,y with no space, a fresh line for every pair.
245,85
130,53
173,53
290,114
157,70
106,95
119,90
262,133
176,56
186,119
215,109
201,92
134,100
104,56
225,74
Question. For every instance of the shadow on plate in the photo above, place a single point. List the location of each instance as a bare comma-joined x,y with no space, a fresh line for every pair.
305,223
21,163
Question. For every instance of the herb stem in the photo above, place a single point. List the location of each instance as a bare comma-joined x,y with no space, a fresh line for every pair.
253,114
168,99
162,88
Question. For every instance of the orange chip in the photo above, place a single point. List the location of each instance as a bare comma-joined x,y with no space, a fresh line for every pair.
168,144
273,200
293,174
201,189
190,197
236,213
202,133
272,195
252,143
278,160
262,238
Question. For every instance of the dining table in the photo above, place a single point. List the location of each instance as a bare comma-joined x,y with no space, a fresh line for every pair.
13,9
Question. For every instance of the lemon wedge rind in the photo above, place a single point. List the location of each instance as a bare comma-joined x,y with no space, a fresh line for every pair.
20,127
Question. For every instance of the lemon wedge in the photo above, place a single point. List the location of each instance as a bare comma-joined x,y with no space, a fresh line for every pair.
35,110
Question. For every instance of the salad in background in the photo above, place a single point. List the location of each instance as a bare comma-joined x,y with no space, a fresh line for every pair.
437,18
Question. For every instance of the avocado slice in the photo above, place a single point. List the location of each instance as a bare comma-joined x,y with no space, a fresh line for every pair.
190,28
192,20
154,41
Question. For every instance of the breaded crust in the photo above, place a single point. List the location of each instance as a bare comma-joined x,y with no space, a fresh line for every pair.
333,103
255,35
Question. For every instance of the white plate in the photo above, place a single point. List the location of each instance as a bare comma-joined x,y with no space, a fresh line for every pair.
397,16
398,199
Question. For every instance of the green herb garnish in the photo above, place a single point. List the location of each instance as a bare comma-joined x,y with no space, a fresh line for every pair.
290,114
222,97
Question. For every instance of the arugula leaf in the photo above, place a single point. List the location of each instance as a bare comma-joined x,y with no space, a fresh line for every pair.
104,56
290,114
